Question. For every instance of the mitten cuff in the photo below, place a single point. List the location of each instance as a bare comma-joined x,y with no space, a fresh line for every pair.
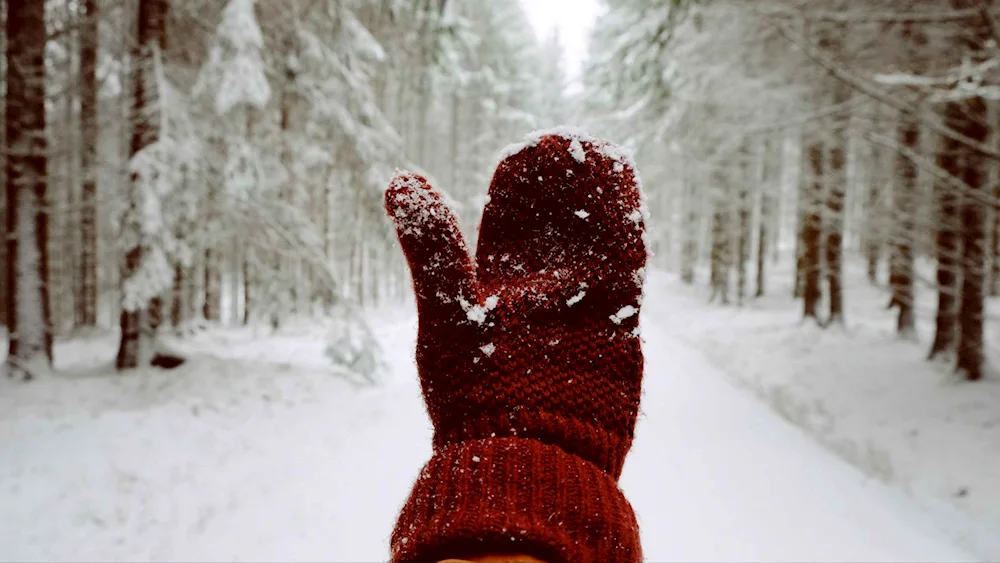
515,495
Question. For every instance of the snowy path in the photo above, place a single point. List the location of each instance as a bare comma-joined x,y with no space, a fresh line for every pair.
715,475
317,472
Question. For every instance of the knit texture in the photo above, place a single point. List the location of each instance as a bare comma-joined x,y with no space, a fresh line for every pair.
529,358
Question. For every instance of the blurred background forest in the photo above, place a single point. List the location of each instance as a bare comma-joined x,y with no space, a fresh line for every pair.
198,185
175,164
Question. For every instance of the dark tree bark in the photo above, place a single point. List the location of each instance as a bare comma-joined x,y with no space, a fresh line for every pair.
904,200
994,261
836,184
29,318
834,230
689,254
247,286
283,296
798,284
4,303
212,307
86,305
177,298
906,193
762,244
769,179
720,250
138,325
970,341
812,232
873,230
803,197
743,242
972,122
947,241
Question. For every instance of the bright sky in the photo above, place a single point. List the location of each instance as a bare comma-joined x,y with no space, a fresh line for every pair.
574,19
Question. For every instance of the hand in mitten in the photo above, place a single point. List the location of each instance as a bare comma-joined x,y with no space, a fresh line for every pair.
529,358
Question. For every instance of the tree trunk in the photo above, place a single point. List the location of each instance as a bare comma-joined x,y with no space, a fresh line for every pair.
770,179
762,243
995,245
947,239
28,315
4,303
971,121
212,308
970,314
836,183
873,232
689,254
282,296
743,242
87,301
802,197
834,224
246,286
720,247
139,323
177,300
904,200
812,233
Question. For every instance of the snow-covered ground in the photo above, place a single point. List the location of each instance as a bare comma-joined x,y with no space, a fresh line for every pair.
861,391
254,451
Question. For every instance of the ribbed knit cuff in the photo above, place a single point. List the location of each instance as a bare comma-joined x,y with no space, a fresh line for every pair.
515,495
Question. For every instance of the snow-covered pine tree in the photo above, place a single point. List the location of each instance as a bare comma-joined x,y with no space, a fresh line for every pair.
235,79
162,148
145,264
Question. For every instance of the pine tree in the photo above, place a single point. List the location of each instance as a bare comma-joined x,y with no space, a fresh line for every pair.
86,306
904,201
144,264
972,123
947,241
27,225
769,182
812,230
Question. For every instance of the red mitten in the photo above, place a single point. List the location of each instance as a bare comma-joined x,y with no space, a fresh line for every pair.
529,359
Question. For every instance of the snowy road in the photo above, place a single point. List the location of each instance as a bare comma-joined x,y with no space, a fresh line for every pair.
715,475
317,471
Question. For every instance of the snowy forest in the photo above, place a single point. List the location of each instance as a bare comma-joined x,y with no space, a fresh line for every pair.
184,181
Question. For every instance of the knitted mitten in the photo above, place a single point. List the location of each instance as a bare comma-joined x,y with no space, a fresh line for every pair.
529,359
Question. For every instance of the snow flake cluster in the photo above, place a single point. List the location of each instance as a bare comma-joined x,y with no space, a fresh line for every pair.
576,150
624,313
477,313
409,215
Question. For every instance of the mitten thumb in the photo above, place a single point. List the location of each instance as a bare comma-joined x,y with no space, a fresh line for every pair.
440,264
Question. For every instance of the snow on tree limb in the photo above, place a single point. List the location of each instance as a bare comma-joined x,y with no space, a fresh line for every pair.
235,71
